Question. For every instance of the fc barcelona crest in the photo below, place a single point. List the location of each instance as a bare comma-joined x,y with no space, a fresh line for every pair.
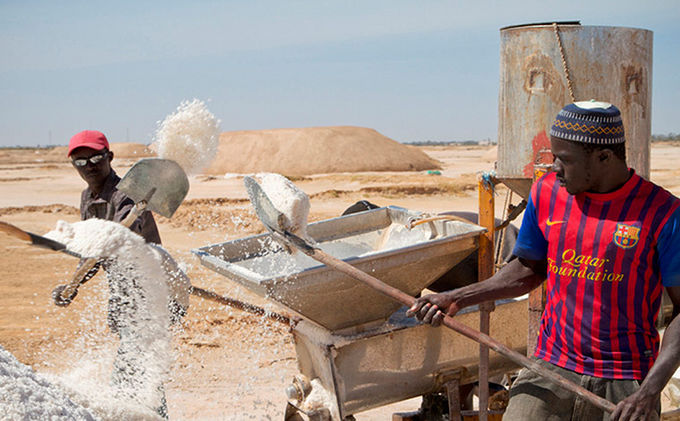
626,236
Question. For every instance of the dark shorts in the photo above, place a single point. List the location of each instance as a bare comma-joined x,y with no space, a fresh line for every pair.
534,398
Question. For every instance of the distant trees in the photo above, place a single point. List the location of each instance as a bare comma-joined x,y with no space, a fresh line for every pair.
670,137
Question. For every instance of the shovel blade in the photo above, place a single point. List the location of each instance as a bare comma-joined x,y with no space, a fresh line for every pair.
166,176
271,217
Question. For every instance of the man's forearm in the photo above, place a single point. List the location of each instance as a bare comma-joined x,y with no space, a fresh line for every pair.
667,361
515,279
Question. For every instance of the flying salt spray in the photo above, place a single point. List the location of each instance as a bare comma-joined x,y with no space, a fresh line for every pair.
189,136
142,361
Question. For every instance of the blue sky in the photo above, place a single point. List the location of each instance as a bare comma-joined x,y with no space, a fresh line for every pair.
413,70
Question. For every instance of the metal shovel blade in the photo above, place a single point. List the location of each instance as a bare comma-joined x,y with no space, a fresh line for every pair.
166,176
271,217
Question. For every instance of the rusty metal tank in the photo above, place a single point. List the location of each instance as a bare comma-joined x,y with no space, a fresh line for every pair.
611,64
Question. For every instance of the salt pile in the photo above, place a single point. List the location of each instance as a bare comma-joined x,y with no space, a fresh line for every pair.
189,136
143,358
25,395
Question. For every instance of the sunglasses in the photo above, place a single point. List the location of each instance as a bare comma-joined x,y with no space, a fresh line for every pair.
94,159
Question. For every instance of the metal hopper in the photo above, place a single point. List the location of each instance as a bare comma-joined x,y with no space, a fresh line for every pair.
354,342
375,242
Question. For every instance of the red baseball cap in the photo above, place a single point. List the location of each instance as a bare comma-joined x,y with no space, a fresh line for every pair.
88,139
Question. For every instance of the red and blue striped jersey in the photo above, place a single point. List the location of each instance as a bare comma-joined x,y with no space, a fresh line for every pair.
608,256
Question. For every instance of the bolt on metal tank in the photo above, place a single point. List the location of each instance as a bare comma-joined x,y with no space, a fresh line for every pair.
539,62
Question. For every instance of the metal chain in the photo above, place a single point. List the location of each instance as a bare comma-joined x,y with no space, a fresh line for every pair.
501,241
564,62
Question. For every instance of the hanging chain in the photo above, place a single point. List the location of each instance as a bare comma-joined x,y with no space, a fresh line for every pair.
564,62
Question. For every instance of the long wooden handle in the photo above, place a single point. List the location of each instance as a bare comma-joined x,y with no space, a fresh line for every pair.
14,231
250,308
34,239
449,322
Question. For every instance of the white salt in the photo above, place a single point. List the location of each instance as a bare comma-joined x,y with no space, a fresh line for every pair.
179,285
278,263
288,199
319,398
189,136
397,236
26,395
137,276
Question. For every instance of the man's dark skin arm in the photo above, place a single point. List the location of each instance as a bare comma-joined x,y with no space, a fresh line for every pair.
516,278
56,293
642,404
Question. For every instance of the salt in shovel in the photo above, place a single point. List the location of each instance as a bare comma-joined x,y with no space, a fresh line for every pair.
271,218
159,185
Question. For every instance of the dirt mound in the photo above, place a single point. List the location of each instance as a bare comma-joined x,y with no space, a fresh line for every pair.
315,150
120,150
131,150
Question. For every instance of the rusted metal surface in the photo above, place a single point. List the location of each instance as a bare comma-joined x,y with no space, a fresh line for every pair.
453,396
612,64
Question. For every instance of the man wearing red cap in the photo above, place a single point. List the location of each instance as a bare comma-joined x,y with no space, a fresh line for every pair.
91,157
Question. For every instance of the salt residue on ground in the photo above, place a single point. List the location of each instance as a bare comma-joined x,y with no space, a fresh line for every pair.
189,136
136,279
26,395
315,150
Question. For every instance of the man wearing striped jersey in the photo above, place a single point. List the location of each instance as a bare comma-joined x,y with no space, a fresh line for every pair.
606,242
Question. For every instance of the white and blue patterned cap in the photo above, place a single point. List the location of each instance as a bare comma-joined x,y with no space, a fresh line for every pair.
589,122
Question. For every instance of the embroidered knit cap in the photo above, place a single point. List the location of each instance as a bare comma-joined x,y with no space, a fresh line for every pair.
589,122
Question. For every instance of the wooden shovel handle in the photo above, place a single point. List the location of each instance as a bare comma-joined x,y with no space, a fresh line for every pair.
449,322
247,307
14,231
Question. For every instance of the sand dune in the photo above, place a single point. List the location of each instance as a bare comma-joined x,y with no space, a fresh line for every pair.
315,150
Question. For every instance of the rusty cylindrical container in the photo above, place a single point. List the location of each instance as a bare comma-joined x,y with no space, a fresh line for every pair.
611,64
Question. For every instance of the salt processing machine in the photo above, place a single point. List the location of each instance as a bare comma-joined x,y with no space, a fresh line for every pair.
354,344
355,348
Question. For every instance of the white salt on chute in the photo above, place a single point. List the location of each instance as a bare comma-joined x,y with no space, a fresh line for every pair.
189,136
319,398
137,277
26,395
288,199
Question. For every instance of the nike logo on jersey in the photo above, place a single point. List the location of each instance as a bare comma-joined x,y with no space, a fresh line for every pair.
550,223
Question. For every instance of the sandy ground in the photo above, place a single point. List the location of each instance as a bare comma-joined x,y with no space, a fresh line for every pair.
228,364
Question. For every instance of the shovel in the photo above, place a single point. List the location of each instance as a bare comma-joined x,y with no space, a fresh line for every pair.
159,185
47,243
271,219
